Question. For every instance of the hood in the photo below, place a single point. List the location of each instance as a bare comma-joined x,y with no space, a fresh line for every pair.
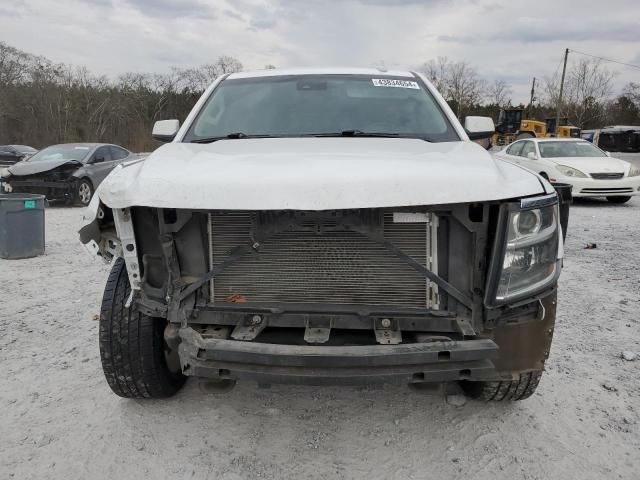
593,164
26,167
314,174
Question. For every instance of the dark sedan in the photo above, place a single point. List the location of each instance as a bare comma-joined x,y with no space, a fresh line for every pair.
11,154
69,172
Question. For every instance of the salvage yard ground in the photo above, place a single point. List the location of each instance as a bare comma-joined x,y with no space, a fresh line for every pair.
60,420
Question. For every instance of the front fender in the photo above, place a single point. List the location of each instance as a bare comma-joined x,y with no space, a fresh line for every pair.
98,233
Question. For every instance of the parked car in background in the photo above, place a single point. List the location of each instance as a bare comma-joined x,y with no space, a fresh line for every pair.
591,171
616,138
11,154
69,172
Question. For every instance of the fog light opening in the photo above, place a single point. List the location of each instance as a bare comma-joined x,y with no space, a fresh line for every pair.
444,355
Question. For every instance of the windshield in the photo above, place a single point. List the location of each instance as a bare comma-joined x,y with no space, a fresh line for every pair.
301,105
61,152
569,149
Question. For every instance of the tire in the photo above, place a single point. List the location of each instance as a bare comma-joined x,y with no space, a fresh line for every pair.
525,135
132,347
620,199
84,192
513,390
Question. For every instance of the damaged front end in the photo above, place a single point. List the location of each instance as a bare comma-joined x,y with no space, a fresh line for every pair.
59,183
404,294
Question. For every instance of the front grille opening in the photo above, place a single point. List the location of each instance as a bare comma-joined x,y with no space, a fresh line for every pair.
604,191
324,263
444,355
607,176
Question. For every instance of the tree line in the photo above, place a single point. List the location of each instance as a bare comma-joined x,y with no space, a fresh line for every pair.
43,103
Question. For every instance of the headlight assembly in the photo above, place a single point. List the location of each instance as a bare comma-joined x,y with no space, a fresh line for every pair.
526,251
570,171
634,171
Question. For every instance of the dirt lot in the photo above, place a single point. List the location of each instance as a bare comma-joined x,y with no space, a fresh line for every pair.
60,420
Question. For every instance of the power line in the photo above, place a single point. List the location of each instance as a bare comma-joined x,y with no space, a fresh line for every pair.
606,59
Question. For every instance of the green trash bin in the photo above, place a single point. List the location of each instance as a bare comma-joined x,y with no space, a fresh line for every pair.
21,225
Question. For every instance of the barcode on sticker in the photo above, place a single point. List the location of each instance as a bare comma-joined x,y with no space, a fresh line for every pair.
386,82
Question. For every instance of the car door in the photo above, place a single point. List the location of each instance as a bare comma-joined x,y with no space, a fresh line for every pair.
512,152
528,147
119,154
100,164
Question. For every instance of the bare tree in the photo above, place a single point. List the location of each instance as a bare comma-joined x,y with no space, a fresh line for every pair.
437,71
499,93
588,87
458,82
632,92
465,87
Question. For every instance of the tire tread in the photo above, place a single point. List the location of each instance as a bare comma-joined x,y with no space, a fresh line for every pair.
506,390
132,344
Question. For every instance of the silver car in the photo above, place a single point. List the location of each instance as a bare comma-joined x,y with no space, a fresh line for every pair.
69,172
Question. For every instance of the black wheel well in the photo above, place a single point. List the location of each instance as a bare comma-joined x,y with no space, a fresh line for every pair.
87,179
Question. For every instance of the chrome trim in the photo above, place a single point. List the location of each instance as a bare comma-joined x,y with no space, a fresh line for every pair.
539,202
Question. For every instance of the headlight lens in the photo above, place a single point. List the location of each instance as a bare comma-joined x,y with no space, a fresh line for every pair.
531,253
570,171
634,171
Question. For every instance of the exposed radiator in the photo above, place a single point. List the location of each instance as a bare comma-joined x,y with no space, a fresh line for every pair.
335,267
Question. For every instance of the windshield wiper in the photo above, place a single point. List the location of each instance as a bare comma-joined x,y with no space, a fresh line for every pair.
360,133
230,136
354,133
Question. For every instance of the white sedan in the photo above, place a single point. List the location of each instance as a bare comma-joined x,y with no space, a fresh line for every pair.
591,171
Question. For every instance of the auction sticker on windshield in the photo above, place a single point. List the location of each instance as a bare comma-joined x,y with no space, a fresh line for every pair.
386,82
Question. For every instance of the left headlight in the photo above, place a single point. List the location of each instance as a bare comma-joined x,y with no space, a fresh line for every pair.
570,171
527,261
634,171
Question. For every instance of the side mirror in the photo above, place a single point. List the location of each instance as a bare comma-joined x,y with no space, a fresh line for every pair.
532,156
165,130
479,127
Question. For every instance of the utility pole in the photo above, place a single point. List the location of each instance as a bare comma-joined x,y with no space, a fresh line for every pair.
559,106
533,90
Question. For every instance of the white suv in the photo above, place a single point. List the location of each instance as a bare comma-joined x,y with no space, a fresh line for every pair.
325,226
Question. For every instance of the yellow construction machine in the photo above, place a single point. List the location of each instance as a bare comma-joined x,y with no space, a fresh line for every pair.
511,126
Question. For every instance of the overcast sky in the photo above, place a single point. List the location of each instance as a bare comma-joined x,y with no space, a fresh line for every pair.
511,40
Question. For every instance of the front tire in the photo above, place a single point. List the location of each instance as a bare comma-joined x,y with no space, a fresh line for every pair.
620,199
84,192
132,347
512,390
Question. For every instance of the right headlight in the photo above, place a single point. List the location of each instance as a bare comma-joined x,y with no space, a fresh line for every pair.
570,171
527,261
634,171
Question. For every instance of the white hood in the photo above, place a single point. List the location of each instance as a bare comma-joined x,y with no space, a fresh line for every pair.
315,174
593,164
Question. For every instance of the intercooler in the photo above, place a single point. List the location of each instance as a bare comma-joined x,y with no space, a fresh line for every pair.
329,266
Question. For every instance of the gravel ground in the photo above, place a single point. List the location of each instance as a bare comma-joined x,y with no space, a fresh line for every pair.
60,420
